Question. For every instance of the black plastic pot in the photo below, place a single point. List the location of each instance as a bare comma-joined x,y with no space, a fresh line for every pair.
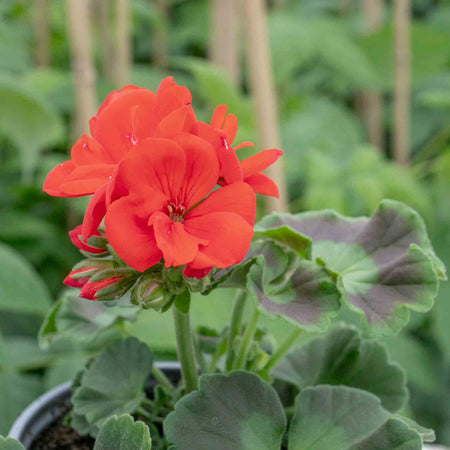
49,406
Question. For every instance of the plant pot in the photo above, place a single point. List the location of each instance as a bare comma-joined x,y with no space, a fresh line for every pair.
48,407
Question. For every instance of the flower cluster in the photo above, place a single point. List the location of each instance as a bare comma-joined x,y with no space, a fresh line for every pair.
168,187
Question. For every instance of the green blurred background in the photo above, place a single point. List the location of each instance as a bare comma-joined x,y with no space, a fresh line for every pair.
327,57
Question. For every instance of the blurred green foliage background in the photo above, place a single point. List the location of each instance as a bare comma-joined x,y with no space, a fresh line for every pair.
322,59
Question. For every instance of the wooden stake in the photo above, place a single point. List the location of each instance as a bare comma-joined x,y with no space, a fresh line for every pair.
223,50
263,91
83,73
123,44
106,42
401,100
42,32
159,35
372,99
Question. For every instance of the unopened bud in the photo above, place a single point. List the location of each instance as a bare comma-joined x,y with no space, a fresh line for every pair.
84,270
95,244
150,295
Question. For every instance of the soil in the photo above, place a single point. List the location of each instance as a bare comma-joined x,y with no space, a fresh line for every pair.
59,437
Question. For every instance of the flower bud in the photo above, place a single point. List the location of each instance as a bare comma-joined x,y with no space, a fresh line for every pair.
84,270
101,290
96,243
150,295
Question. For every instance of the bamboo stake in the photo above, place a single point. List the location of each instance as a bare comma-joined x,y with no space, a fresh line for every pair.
401,106
372,99
42,32
123,44
223,50
159,35
83,73
106,43
263,92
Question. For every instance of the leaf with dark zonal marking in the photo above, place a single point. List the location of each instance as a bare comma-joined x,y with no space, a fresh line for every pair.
123,433
385,264
237,411
344,358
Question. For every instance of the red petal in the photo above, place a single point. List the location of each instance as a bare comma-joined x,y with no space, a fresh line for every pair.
74,236
229,237
188,271
56,177
182,119
88,151
202,169
260,161
159,163
130,236
76,283
85,180
169,99
236,198
124,122
165,84
177,246
243,145
230,128
90,289
94,214
262,184
218,116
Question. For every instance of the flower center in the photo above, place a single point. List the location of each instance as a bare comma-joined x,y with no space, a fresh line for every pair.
176,212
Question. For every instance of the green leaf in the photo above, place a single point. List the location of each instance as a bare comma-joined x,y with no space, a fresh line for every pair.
334,417
183,301
385,264
81,320
344,358
21,288
16,393
123,433
393,435
284,284
114,383
237,411
427,434
7,443
28,123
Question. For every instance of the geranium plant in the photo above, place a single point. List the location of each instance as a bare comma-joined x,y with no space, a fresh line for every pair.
172,213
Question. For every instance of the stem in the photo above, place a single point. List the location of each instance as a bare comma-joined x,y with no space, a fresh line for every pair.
241,358
159,376
282,349
185,349
235,325
142,412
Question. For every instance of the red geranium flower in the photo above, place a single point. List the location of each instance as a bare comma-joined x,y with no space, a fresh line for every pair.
166,215
125,118
250,167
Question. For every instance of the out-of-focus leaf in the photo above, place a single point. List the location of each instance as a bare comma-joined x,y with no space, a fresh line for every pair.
21,289
80,320
237,411
28,123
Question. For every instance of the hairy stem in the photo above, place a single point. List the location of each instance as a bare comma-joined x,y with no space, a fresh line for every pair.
159,376
282,349
241,357
185,349
236,320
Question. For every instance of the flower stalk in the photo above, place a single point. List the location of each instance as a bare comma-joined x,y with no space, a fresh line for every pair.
185,349
282,350
242,354
236,320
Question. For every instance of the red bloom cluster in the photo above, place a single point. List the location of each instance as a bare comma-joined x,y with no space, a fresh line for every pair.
168,186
